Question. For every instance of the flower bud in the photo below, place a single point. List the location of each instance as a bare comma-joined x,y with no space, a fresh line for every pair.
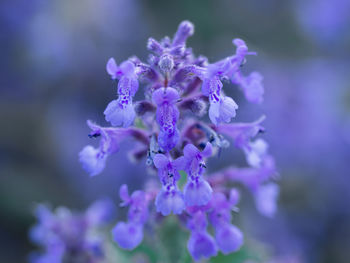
166,63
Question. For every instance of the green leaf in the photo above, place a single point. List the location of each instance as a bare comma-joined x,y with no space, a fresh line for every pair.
139,123
183,179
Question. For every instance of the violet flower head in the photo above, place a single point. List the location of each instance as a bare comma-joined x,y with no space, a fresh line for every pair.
197,191
129,234
228,237
167,116
93,159
67,236
251,86
175,140
170,198
222,108
120,112
185,30
201,244
266,199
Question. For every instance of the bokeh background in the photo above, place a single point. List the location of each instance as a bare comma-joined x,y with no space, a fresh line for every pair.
53,78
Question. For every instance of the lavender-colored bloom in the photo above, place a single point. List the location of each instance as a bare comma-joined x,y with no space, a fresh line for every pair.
70,237
255,152
129,234
185,30
170,198
251,86
201,244
266,199
177,83
228,237
197,191
121,112
222,108
94,159
242,133
252,177
167,116
241,51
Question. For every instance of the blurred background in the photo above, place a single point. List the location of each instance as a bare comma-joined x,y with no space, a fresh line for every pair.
53,56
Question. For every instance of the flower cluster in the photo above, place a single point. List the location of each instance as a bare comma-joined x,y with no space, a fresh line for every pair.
71,237
176,141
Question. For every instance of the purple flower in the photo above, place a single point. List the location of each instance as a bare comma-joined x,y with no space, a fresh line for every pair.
170,198
121,112
252,177
94,159
185,30
230,66
197,191
178,83
138,204
167,116
251,86
222,108
228,237
201,244
129,234
266,199
255,152
66,236
220,213
241,133
241,50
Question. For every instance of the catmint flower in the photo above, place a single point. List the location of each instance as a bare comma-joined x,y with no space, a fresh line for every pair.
167,116
266,199
185,30
170,198
228,237
201,244
251,177
120,112
197,191
242,133
154,46
255,152
172,140
68,236
129,234
256,179
222,108
94,159
251,86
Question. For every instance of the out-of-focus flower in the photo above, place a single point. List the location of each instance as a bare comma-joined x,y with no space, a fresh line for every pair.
67,236
129,234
